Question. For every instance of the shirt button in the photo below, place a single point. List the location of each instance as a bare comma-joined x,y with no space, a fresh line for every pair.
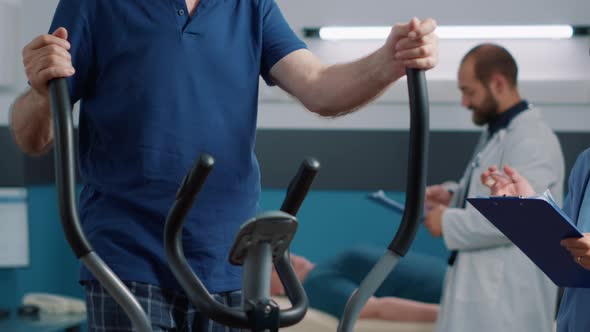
180,12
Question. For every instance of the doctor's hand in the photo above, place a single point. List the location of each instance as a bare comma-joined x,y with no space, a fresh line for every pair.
579,248
437,195
433,220
509,183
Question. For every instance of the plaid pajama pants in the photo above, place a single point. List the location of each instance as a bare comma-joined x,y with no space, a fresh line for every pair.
167,309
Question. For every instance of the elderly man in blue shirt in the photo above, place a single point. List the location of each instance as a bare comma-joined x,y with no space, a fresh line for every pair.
159,83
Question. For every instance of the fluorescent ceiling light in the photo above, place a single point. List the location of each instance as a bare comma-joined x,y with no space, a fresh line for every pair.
455,32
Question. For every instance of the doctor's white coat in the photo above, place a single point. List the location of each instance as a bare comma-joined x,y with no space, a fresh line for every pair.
492,285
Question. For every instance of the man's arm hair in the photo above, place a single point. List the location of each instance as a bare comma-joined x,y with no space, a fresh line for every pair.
30,123
336,89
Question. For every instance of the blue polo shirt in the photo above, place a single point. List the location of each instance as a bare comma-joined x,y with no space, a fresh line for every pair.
158,88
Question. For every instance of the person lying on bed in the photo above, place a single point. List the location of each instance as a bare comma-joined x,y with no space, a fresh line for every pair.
411,293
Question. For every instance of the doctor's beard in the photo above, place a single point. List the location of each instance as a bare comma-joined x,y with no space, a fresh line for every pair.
486,112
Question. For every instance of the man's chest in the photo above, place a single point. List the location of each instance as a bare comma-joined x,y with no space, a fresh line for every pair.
191,5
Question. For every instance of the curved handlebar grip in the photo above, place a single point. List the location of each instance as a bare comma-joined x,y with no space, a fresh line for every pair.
294,291
65,169
194,288
65,176
299,186
194,180
417,162
296,193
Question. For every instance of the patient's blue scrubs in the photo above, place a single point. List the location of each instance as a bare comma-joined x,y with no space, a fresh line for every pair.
574,311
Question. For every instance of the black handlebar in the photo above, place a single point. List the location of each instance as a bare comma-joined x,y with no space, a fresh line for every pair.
417,162
65,169
296,193
65,176
196,291
299,186
194,288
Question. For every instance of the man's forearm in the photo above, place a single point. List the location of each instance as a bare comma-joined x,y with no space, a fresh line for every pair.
342,88
30,121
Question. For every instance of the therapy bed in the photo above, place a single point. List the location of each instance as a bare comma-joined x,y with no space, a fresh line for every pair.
318,321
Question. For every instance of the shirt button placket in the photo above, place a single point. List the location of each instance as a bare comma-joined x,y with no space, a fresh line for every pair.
181,18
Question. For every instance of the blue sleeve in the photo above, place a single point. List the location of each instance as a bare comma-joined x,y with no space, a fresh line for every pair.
576,188
278,39
74,16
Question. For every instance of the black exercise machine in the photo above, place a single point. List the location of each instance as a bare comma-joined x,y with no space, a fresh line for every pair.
265,238
262,241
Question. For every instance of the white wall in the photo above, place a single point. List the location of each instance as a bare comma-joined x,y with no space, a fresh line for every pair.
385,12
554,74
8,40
27,19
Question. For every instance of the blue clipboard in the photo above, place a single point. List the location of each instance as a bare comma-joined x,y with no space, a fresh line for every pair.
536,225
